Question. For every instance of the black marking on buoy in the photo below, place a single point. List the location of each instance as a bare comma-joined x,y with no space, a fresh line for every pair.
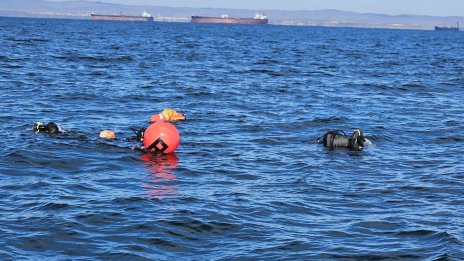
154,145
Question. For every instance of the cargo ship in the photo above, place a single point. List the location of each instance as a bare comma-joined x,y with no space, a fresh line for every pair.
444,28
225,19
145,17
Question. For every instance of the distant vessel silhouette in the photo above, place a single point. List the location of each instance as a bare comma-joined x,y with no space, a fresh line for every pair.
145,17
445,28
225,19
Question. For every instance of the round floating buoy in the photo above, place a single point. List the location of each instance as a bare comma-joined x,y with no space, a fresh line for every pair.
107,134
161,137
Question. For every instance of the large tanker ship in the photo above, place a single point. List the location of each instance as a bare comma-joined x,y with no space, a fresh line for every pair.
225,19
145,17
445,28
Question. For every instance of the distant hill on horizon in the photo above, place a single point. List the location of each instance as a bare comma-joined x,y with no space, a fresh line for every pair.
80,9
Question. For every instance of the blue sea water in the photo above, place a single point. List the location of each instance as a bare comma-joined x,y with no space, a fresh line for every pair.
248,181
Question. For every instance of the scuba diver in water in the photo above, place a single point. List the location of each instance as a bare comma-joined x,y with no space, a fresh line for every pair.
167,115
338,139
138,135
161,136
152,141
50,128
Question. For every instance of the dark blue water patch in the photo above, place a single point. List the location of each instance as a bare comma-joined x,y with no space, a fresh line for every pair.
249,180
97,58
27,41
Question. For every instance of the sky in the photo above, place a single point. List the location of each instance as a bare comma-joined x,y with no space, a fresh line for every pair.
393,7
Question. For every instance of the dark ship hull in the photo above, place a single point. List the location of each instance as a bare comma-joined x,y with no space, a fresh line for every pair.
227,20
445,28
121,18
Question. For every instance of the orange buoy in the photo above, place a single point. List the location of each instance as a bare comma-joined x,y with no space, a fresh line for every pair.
168,115
161,137
107,134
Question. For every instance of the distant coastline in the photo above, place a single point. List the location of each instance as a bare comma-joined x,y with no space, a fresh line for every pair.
328,18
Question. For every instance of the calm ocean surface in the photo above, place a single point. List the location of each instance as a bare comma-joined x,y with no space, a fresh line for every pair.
249,180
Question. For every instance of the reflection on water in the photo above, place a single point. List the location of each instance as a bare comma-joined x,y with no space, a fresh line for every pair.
161,182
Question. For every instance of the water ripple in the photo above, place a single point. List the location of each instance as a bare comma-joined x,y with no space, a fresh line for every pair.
249,180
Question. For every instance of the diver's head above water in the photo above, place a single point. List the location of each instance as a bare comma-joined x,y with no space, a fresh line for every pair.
50,127
356,142
138,135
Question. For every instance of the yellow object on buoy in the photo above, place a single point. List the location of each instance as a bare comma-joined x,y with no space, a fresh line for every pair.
107,134
167,115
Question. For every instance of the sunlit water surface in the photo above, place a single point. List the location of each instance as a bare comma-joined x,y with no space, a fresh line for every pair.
248,180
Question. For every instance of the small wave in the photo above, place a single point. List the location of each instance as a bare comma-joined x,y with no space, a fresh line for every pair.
121,255
413,85
193,225
379,225
6,117
293,246
453,123
84,187
12,66
333,119
448,140
413,233
128,200
328,67
452,82
28,41
374,256
385,87
97,59
190,46
246,177
439,238
264,71
267,62
158,242
77,96
54,206
201,94
98,73
318,73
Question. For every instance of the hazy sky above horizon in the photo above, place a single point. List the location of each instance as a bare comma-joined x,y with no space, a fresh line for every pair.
395,7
